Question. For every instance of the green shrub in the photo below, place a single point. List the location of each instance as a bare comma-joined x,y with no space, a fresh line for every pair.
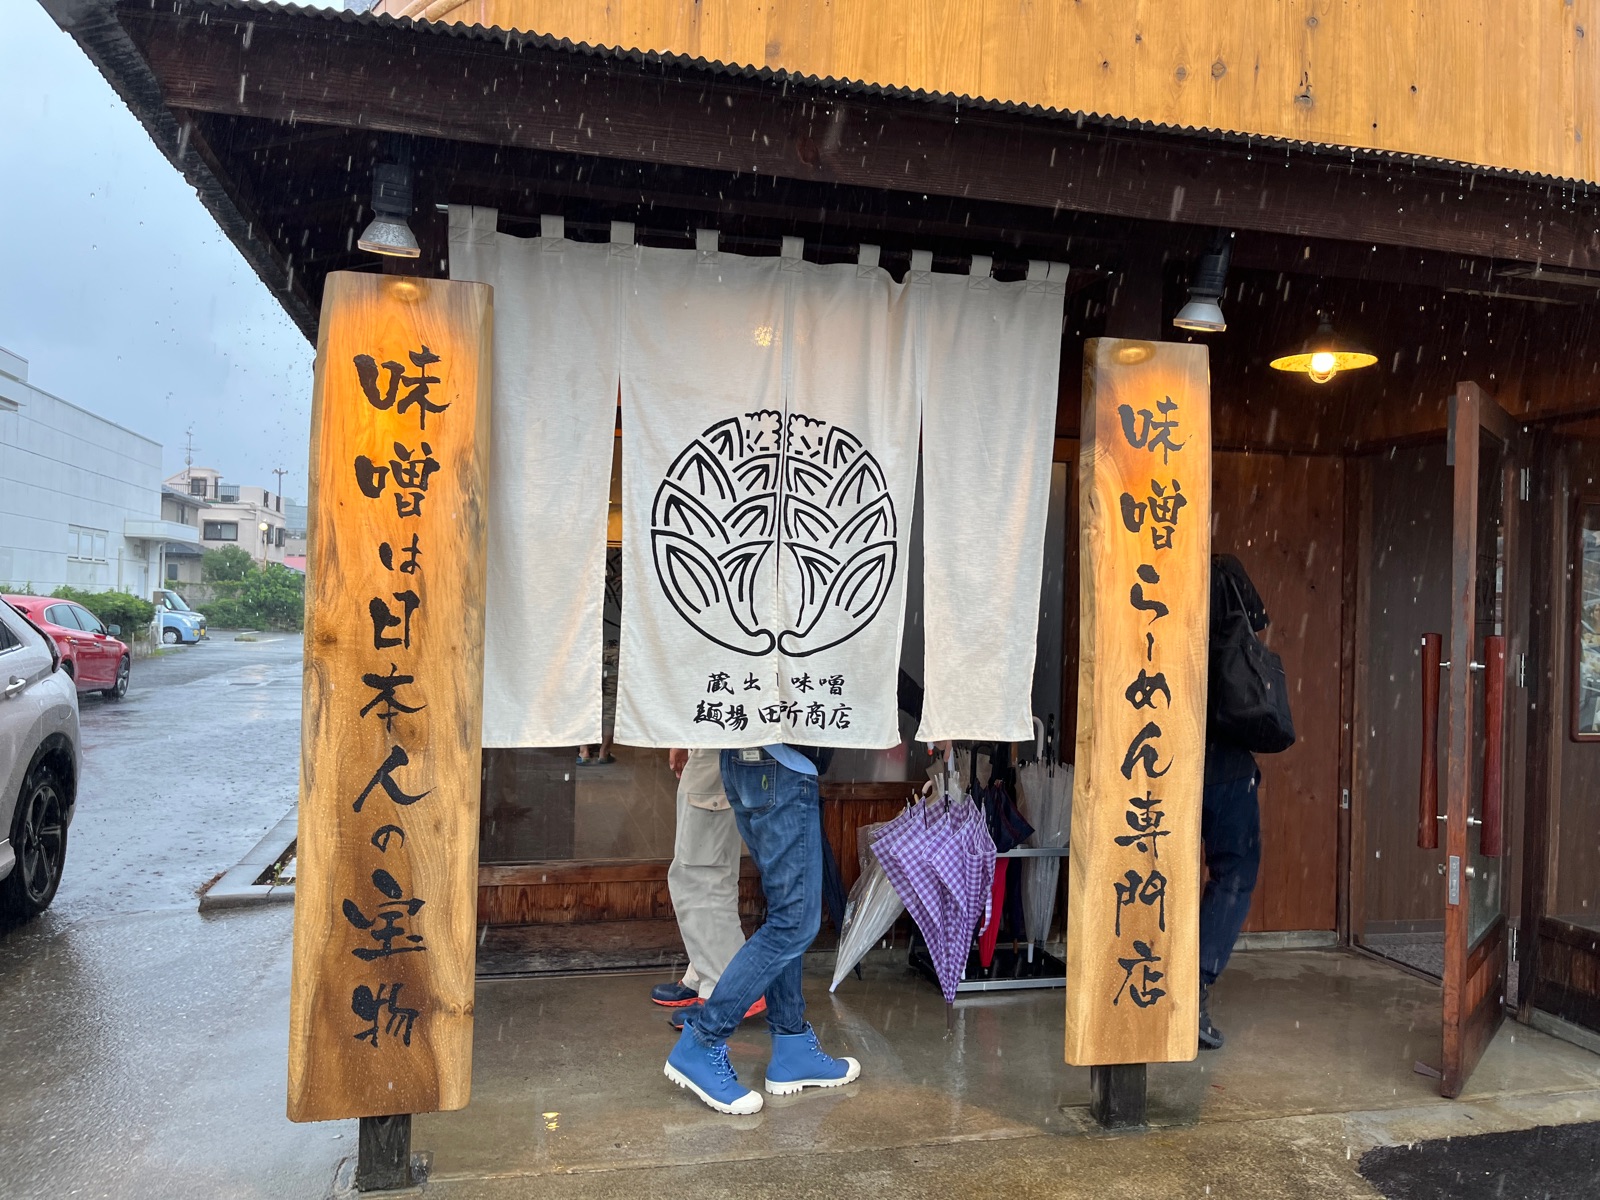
229,563
269,597
113,608
276,595
229,614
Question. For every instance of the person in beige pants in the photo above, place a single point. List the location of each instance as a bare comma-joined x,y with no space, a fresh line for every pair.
703,879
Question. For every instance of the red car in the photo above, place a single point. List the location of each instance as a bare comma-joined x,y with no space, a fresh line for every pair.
92,654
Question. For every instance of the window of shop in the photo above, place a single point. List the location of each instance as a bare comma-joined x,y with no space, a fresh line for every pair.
86,545
1586,621
221,531
1574,891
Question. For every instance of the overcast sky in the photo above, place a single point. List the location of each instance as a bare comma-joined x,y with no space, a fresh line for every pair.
118,287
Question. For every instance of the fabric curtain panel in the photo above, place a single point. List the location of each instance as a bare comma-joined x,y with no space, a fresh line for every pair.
769,467
554,433
987,364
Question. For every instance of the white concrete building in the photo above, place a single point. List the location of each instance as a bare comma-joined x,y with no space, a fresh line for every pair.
251,518
80,496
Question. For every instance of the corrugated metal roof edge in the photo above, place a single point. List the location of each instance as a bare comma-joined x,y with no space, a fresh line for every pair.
639,56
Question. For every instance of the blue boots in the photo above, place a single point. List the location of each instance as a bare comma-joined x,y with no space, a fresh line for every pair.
709,1075
798,1062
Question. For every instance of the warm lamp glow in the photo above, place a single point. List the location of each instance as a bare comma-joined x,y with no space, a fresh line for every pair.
1324,355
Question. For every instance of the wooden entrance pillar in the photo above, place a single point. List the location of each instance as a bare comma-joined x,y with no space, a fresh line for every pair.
380,1014
1133,976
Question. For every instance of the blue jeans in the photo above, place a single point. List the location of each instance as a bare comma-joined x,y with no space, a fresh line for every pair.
1230,827
777,810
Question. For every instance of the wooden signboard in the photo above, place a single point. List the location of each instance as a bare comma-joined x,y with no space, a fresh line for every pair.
380,1017
1133,976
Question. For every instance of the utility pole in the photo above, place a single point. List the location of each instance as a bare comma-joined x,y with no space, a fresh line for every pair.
280,472
188,454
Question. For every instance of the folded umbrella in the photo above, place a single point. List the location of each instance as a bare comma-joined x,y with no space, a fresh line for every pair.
1047,795
872,908
1009,829
942,864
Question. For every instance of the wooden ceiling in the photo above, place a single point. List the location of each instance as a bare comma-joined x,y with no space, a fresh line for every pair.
279,117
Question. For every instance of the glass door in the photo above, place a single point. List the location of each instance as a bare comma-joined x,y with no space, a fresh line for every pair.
1481,759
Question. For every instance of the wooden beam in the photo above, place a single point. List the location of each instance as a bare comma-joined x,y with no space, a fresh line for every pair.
507,92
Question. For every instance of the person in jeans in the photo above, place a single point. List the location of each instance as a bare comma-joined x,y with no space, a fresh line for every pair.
1230,815
773,791
703,882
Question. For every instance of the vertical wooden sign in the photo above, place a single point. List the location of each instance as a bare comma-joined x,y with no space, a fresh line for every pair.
1144,473
380,1016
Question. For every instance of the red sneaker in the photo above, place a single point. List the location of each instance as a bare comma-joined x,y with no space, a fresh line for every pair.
673,995
676,1019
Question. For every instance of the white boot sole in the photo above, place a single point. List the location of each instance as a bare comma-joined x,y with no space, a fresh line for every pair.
791,1086
744,1106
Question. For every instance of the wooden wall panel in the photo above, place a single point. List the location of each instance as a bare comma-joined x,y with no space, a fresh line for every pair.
565,893
1408,585
1283,517
1508,85
846,807
1567,979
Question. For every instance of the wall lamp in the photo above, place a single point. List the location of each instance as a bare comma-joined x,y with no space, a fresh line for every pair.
388,233
1203,313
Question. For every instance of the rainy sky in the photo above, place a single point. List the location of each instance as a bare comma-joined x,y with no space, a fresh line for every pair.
118,287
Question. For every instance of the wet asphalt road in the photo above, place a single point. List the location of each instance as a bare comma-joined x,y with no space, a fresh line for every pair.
142,1046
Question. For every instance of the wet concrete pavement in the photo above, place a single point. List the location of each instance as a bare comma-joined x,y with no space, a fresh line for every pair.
143,1045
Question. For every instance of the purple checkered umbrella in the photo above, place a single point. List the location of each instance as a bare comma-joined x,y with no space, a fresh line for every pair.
896,846
968,879
941,862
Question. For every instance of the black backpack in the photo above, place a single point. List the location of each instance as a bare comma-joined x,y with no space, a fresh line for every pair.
1248,696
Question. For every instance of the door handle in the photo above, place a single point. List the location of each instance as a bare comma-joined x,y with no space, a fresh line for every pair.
14,687
1491,833
1428,792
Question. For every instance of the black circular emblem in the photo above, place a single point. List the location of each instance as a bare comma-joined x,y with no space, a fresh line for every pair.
775,531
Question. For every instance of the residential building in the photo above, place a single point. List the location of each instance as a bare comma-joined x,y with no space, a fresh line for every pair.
294,515
181,565
251,518
80,496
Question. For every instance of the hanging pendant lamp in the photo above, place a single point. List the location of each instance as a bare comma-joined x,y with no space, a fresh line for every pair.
1325,354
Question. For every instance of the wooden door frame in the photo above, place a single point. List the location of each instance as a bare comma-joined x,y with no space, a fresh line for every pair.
1549,654
1354,677
1553,952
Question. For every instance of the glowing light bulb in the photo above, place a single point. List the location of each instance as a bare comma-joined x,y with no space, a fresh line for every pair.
1322,367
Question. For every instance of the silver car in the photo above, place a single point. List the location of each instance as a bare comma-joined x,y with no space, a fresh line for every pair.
39,762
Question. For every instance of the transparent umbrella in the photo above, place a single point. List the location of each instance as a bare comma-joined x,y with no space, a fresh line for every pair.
873,906
1046,800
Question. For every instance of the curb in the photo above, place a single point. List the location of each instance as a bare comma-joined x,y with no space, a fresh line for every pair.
238,887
